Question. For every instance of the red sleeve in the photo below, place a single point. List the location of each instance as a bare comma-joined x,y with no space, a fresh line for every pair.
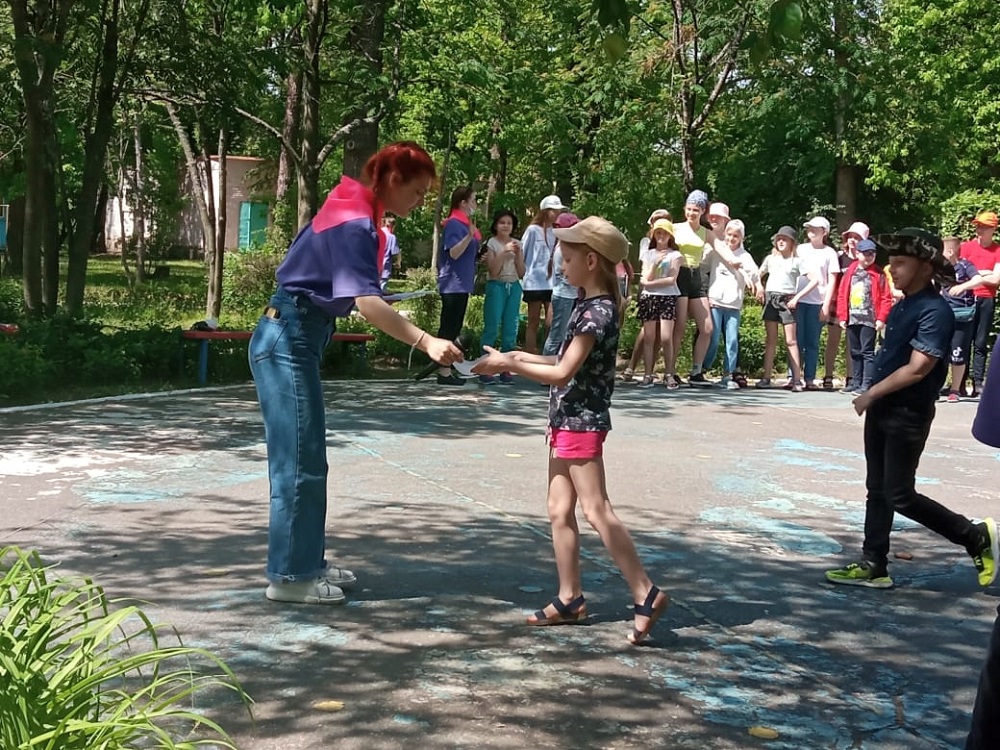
883,303
844,292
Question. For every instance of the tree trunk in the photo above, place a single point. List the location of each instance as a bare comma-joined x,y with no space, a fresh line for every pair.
290,133
365,43
38,38
847,173
439,204
94,159
100,244
139,207
200,188
32,240
687,161
308,182
213,304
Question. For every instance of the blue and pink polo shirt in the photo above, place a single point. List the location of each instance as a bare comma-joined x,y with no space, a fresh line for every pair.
338,256
457,275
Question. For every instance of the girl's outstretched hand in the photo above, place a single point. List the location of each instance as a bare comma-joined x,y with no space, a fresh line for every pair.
493,362
443,352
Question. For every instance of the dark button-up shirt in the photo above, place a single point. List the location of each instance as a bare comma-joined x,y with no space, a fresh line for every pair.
922,322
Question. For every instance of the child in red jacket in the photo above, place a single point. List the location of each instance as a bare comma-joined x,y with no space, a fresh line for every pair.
865,298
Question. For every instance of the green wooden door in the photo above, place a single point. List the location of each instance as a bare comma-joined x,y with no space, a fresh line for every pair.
253,224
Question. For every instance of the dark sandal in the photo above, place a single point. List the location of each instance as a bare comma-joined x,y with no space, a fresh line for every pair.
650,609
566,614
827,384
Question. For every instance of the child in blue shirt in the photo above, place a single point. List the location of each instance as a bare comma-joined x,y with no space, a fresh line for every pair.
909,371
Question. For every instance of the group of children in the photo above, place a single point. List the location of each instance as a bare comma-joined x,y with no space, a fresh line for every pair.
802,287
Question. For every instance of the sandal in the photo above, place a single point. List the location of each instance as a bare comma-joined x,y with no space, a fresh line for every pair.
670,382
566,614
627,374
655,605
740,379
764,383
828,383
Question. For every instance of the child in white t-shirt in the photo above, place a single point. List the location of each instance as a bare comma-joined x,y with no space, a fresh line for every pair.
823,265
726,289
782,271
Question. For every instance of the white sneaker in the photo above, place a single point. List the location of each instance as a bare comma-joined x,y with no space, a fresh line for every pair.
340,577
732,385
319,591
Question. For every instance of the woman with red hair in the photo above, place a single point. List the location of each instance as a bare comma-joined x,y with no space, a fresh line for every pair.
333,265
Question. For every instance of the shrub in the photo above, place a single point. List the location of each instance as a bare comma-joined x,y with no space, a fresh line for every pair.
76,672
11,300
248,282
958,211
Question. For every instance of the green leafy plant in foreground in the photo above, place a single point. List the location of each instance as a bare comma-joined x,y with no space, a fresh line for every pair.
76,673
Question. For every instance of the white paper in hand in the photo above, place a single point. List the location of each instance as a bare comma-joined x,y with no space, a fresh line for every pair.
464,368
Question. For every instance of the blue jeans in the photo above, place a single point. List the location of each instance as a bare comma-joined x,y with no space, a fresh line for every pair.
807,328
724,317
562,307
501,314
285,356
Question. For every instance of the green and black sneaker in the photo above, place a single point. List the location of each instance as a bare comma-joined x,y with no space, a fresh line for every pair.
985,558
862,573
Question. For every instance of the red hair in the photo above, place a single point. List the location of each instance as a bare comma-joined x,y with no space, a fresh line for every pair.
406,158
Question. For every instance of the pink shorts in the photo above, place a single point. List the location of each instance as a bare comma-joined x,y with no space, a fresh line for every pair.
576,445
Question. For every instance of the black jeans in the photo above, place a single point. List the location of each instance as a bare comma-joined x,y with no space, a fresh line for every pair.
985,731
982,322
861,342
453,305
894,439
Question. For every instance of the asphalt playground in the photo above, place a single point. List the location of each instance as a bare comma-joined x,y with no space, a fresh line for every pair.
737,501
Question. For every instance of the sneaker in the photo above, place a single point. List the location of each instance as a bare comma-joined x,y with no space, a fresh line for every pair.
647,382
725,381
797,388
506,378
764,383
319,591
678,380
985,559
977,389
698,378
340,577
732,385
450,379
848,390
862,573
953,397
487,380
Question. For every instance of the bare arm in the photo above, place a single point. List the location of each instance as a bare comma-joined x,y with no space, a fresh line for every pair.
456,250
813,283
378,312
545,370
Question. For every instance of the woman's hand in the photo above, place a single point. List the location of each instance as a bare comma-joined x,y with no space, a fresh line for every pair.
443,352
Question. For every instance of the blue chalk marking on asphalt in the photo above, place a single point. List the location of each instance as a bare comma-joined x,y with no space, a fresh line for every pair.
790,536
793,460
797,445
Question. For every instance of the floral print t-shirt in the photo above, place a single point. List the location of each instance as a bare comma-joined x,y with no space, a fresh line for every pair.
584,404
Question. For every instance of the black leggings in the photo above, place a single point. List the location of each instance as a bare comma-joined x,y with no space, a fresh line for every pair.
453,307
